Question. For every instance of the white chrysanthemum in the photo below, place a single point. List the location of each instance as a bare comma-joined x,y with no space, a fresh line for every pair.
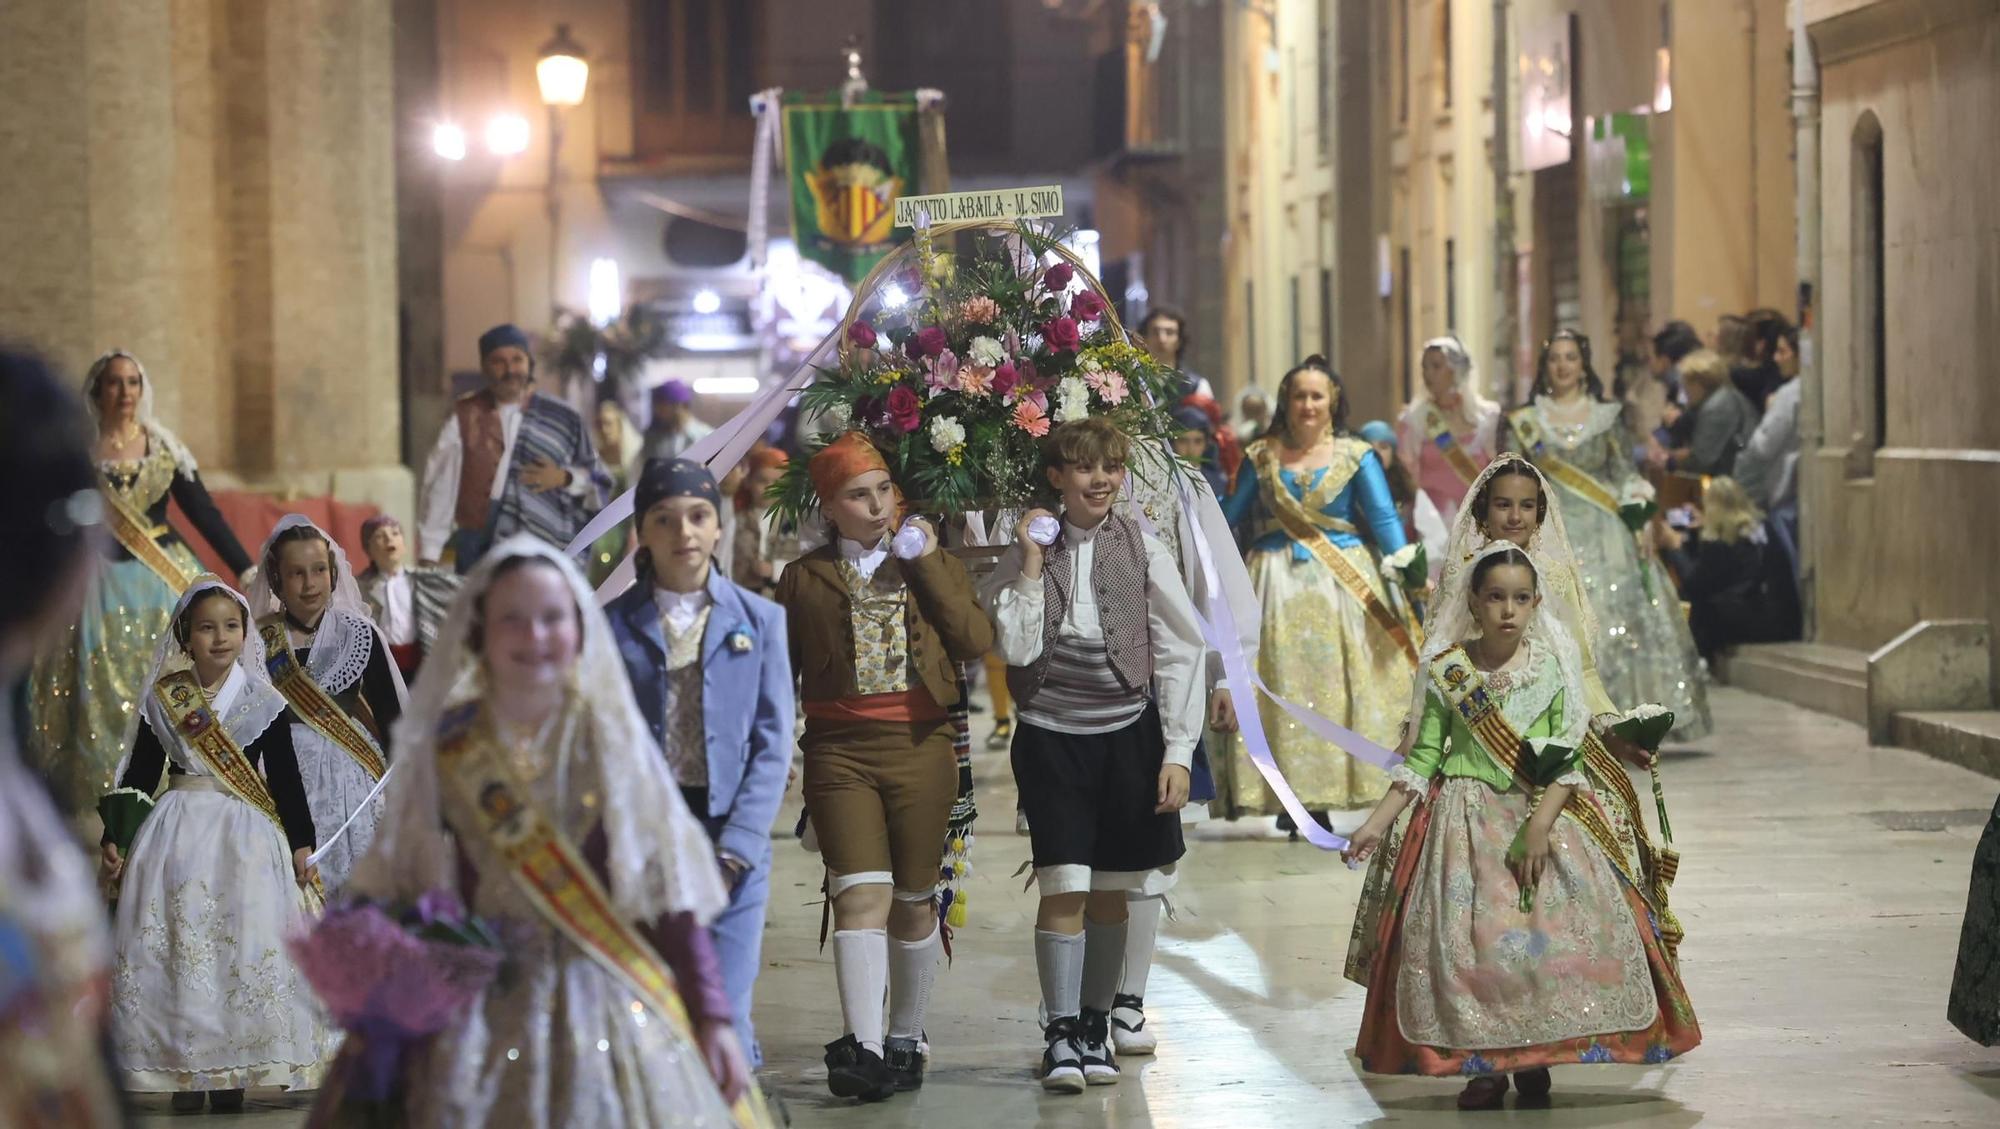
1069,411
986,351
1073,388
839,414
947,433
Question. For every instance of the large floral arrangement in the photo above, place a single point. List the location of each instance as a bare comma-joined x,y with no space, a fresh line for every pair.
986,351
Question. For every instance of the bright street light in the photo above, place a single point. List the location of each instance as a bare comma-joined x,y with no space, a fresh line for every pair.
607,298
448,141
507,135
562,70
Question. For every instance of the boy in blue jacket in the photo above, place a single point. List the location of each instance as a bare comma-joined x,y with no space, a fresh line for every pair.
710,669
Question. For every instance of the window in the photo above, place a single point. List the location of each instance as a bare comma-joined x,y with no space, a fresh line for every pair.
1298,317
1451,285
695,68
1402,59
1326,312
1444,53
1326,76
1869,343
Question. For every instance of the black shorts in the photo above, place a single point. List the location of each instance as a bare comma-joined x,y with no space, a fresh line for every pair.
1090,797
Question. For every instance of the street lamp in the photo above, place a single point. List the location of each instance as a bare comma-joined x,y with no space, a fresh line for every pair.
562,70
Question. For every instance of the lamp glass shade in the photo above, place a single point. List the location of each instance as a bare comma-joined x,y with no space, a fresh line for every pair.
562,70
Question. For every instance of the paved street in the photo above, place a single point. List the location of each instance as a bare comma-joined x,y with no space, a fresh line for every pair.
1821,887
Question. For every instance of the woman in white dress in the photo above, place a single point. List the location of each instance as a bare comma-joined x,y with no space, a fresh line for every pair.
204,996
530,788
333,666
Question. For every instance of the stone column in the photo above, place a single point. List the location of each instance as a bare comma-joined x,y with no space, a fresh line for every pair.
209,183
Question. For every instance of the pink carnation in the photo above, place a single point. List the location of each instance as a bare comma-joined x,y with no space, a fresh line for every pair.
980,310
1108,384
975,380
1031,418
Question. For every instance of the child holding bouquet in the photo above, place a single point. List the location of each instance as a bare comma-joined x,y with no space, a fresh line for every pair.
1513,938
529,792
204,997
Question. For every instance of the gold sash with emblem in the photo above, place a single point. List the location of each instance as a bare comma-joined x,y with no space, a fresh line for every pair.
140,537
1305,525
187,708
1446,441
310,701
552,873
1535,443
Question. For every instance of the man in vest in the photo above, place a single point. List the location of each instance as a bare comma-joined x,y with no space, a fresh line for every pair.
1105,659
509,460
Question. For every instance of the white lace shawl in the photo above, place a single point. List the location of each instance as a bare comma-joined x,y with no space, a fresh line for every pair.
660,860
342,642
246,705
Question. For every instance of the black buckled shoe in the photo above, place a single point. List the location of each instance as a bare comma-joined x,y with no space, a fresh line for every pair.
854,1071
1093,1036
905,1060
1062,1062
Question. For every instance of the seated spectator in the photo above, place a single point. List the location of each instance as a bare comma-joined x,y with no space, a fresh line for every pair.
1773,357
1723,418
1737,582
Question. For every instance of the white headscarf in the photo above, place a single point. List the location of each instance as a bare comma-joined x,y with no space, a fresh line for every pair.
246,704
1448,620
1477,406
660,860
339,652
157,432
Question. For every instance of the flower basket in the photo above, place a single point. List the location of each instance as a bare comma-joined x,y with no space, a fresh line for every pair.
960,351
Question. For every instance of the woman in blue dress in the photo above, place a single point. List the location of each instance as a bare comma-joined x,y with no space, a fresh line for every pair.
83,693
1312,503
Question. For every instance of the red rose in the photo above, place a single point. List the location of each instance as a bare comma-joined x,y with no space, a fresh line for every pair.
929,342
1060,335
906,412
1057,277
1087,306
1004,379
862,334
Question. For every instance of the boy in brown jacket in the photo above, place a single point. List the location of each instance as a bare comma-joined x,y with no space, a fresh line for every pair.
875,642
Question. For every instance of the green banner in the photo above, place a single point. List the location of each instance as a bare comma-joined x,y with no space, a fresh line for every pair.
847,165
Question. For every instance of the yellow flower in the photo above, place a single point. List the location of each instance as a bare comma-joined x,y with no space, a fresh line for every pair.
956,455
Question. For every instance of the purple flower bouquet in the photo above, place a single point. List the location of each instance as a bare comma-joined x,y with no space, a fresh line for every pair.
394,974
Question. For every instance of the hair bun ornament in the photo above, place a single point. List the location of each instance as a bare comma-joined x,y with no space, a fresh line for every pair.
909,541
1042,530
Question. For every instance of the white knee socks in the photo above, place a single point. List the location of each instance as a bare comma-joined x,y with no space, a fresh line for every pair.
1103,961
1059,961
912,971
1142,934
861,965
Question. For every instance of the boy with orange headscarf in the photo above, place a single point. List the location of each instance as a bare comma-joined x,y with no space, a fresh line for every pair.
876,642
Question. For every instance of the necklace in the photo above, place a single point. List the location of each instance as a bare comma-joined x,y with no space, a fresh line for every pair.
124,435
522,745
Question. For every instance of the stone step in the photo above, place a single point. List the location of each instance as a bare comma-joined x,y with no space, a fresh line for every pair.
1831,680
1970,738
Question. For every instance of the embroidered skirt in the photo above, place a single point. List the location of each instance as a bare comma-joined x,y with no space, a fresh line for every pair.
205,996
1463,982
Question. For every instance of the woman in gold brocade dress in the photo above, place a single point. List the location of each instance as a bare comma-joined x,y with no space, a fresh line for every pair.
1334,641
83,690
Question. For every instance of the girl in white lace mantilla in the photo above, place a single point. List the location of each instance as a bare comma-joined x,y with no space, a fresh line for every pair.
526,687
204,997
307,601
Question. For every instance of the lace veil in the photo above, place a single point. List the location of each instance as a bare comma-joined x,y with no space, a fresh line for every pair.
339,652
161,436
1565,608
246,705
660,860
